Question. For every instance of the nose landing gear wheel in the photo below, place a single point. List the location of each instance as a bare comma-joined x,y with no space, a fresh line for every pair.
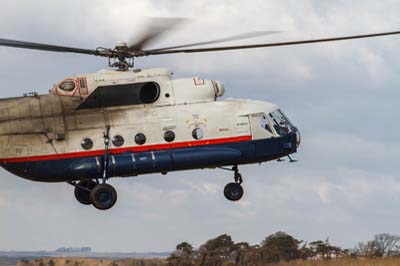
103,196
233,191
82,191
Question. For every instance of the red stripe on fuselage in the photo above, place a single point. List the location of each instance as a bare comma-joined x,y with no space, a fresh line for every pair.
154,147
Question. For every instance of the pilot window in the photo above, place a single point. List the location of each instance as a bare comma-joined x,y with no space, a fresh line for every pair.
264,123
281,123
260,126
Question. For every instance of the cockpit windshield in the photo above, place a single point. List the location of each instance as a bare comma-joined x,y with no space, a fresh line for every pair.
281,123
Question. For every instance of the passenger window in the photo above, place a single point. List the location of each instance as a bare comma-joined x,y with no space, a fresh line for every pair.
87,144
140,139
118,141
169,136
197,133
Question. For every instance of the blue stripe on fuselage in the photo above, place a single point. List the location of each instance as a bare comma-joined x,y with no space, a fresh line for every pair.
130,164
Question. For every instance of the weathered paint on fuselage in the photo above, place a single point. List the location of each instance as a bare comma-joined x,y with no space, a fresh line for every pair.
40,136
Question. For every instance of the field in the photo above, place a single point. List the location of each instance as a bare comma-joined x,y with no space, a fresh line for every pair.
90,262
344,262
159,262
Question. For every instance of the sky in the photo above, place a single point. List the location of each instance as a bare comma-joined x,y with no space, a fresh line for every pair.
342,96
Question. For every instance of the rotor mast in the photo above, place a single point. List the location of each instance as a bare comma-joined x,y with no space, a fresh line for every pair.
121,60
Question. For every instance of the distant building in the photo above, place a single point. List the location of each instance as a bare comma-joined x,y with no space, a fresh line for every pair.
86,249
74,250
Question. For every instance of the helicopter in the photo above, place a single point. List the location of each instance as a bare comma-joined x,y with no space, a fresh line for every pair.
126,122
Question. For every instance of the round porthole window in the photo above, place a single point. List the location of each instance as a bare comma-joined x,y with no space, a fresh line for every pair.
197,133
169,136
118,141
67,85
87,144
140,139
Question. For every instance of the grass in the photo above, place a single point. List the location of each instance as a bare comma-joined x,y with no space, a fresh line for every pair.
90,262
159,262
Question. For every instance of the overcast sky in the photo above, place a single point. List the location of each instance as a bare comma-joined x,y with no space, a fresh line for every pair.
342,96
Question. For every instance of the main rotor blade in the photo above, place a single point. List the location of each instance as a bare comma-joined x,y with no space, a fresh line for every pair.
225,48
227,39
157,27
45,47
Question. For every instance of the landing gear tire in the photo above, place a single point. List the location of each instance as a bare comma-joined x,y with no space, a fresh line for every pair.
233,191
103,196
82,191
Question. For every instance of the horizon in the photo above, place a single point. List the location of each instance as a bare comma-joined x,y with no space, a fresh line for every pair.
342,96
164,251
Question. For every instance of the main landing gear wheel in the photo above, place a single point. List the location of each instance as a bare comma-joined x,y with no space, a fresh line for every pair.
103,196
82,191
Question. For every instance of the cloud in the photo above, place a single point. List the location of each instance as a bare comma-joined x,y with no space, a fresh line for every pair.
3,202
342,96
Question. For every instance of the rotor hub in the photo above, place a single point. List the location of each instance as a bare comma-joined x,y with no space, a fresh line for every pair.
121,46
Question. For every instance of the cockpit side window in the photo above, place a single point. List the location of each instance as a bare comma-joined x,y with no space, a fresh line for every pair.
260,126
265,123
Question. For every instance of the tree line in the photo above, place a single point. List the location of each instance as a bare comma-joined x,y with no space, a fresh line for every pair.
223,251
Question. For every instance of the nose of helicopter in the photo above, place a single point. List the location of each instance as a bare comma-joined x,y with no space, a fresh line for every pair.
298,138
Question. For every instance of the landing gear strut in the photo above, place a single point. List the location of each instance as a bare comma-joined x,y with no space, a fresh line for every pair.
101,195
234,191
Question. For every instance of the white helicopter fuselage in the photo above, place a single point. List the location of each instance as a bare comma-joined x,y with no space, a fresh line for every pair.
160,125
126,123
